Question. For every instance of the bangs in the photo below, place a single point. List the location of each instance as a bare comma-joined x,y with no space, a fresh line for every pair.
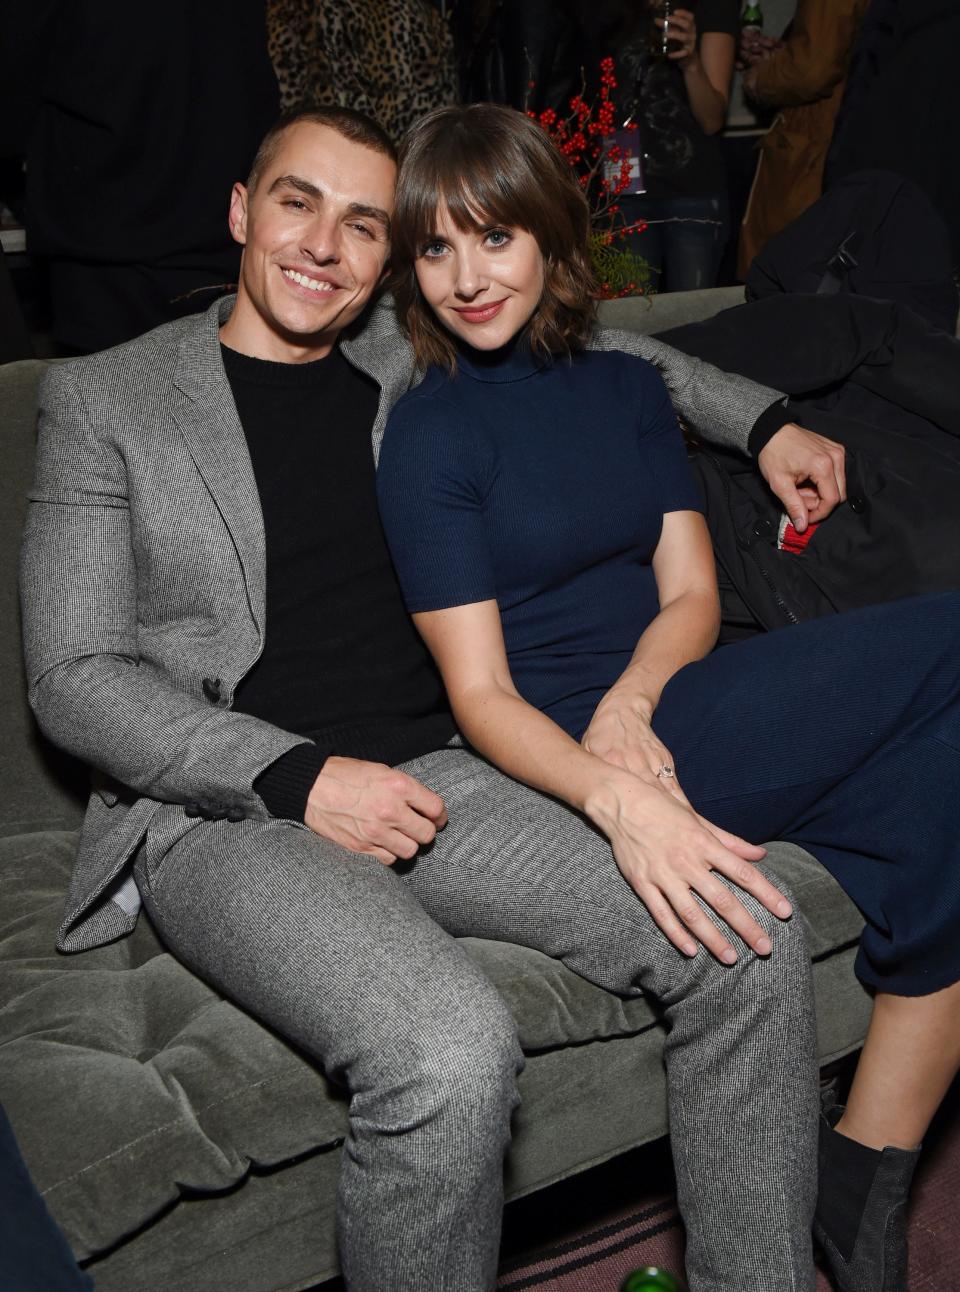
465,175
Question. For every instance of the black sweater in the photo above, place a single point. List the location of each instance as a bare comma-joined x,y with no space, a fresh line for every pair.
342,663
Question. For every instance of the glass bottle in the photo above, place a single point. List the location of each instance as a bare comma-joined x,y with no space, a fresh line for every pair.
650,1279
658,40
751,20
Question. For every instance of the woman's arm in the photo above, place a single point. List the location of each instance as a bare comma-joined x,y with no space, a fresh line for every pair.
685,630
660,846
707,67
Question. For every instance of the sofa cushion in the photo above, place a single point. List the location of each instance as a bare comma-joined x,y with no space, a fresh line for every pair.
127,1080
130,1083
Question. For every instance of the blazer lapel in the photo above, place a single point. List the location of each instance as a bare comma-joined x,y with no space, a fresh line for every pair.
377,347
208,420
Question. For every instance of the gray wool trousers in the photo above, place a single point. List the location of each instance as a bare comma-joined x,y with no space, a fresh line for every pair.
358,964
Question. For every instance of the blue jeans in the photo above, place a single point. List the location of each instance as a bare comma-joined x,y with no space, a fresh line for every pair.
684,251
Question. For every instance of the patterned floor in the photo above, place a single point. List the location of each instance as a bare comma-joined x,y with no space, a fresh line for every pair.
560,1242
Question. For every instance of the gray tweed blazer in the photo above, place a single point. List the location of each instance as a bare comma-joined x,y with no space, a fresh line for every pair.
143,580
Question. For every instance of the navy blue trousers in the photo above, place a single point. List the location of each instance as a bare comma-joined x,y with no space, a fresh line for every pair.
34,1254
843,735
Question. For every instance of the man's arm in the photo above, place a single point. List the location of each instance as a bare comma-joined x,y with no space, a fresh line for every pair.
804,470
721,406
813,59
95,695
92,691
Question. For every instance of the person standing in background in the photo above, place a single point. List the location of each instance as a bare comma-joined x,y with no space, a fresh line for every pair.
901,107
393,59
804,77
679,98
143,123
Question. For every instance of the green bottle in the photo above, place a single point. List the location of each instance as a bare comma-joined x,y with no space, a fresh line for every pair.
751,20
650,1279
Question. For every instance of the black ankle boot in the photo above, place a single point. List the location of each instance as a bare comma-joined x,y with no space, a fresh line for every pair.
871,1255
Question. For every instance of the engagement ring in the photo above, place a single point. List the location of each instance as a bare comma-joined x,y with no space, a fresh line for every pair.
666,771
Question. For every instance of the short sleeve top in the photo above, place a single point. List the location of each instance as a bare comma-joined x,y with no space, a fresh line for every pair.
680,160
542,485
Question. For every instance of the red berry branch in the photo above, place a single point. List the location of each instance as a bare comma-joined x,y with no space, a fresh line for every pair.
585,138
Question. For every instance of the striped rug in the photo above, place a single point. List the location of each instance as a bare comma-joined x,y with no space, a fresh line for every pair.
588,1233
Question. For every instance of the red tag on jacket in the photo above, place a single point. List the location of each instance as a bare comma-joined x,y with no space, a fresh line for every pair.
788,540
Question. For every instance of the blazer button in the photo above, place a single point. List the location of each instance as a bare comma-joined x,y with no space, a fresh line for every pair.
211,688
858,504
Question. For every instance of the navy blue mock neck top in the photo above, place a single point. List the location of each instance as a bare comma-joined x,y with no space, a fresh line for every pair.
542,484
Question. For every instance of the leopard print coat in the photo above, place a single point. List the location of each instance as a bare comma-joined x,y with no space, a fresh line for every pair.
391,58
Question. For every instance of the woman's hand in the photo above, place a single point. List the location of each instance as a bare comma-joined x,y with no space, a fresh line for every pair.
620,733
668,854
682,34
706,65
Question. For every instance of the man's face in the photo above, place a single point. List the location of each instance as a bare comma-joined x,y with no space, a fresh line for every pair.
316,237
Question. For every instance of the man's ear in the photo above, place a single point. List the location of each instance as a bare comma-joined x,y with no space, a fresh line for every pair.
238,214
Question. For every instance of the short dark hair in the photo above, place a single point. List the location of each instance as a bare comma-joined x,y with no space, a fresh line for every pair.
487,163
348,122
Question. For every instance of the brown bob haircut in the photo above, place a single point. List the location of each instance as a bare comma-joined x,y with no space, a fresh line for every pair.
491,165
348,122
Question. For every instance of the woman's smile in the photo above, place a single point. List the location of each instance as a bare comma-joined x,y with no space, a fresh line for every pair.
484,282
480,313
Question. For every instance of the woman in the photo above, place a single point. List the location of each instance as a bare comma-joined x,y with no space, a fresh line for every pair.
548,539
676,86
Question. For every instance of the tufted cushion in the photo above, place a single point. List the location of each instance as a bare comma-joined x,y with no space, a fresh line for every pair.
129,1082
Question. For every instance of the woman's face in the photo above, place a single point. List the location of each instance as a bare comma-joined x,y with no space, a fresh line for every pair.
483,284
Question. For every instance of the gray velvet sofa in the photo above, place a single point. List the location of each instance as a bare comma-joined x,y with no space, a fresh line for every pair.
182,1146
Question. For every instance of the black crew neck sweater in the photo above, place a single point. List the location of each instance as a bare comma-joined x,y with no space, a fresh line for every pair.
342,663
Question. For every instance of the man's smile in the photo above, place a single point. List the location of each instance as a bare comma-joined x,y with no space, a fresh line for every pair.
312,284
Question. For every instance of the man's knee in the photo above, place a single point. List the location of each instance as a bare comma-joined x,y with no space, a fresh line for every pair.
767,980
780,982
470,1064
458,1074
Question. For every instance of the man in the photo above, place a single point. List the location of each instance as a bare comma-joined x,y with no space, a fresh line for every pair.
803,76
213,624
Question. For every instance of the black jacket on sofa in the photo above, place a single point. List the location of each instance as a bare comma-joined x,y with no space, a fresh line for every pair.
878,379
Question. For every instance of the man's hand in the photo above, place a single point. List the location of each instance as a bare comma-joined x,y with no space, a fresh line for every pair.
754,47
806,471
373,809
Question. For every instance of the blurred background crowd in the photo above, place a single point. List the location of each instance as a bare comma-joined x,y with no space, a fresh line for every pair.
700,127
